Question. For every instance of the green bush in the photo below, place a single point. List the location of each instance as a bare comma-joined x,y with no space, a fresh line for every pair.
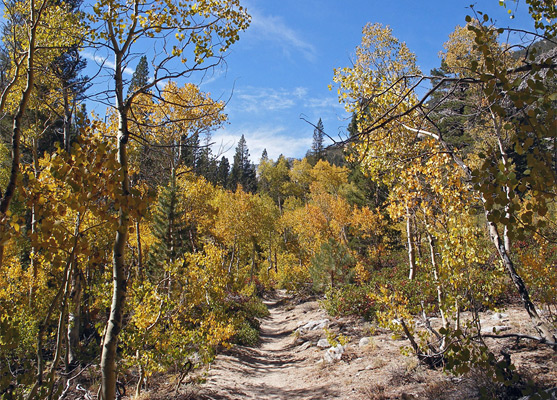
331,266
358,299
255,308
246,311
349,300
246,334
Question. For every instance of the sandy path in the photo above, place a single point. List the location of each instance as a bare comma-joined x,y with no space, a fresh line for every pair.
274,370
291,367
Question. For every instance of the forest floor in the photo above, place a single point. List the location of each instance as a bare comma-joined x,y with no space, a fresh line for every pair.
288,364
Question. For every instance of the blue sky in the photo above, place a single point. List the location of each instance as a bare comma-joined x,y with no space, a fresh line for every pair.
280,70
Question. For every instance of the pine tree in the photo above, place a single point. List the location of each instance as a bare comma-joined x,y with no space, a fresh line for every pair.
140,77
317,151
243,170
452,113
149,164
317,148
222,172
241,166
168,229
329,267
67,68
264,156
206,165
249,181
189,153
367,193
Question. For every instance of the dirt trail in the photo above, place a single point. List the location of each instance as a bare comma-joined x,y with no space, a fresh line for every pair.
278,368
290,366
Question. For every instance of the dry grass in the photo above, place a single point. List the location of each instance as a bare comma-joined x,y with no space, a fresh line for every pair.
375,392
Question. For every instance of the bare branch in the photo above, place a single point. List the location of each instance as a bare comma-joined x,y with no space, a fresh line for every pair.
520,336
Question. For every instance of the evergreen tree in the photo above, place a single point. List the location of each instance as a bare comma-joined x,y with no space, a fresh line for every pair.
264,156
243,171
189,153
212,170
168,229
249,182
150,167
452,113
331,265
206,164
367,193
67,68
222,172
317,151
140,76
237,169
64,74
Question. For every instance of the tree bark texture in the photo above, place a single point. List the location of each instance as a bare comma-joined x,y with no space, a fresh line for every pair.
411,249
541,327
108,357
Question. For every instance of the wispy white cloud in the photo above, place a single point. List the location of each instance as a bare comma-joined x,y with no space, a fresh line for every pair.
325,103
326,107
101,60
274,29
266,112
300,92
276,139
253,99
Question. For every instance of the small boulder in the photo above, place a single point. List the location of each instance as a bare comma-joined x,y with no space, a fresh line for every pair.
334,354
495,329
323,344
363,342
313,325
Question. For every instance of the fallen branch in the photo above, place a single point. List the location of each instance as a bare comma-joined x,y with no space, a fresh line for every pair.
520,336
69,383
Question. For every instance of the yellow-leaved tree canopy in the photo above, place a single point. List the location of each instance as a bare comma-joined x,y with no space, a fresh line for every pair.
196,34
438,173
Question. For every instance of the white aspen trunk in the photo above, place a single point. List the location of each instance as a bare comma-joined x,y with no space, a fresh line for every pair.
440,294
503,249
107,389
68,111
141,371
34,266
411,249
541,327
139,250
74,318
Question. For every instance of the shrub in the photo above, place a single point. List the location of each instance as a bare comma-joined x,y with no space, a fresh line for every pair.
246,334
246,311
349,300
